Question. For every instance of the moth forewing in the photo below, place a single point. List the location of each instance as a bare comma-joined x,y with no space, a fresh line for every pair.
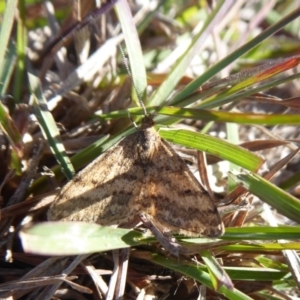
141,174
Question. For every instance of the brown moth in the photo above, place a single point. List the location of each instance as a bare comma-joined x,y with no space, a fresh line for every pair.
140,177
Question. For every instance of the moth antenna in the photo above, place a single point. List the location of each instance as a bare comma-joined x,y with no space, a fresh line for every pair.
125,60
130,118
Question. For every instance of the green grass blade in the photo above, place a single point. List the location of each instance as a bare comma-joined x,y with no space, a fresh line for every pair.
262,233
75,238
259,274
6,27
48,126
168,85
262,247
212,145
272,263
194,85
266,72
219,100
8,127
231,117
285,203
8,67
133,46
218,275
21,53
291,181
255,233
193,271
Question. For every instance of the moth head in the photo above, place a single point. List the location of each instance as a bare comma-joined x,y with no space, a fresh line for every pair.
147,122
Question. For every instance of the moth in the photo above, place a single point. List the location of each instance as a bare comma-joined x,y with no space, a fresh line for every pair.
141,177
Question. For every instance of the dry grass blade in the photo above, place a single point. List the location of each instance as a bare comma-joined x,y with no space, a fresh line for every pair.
33,283
98,280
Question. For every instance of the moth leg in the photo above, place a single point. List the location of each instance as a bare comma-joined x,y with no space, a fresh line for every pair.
166,239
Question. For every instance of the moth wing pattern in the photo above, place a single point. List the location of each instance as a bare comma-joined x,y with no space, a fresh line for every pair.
101,193
142,174
178,202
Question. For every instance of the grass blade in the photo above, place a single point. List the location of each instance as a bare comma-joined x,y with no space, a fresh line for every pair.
48,126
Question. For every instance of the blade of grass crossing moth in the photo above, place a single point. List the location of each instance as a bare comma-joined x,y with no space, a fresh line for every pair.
212,145
133,47
48,126
6,27
194,85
